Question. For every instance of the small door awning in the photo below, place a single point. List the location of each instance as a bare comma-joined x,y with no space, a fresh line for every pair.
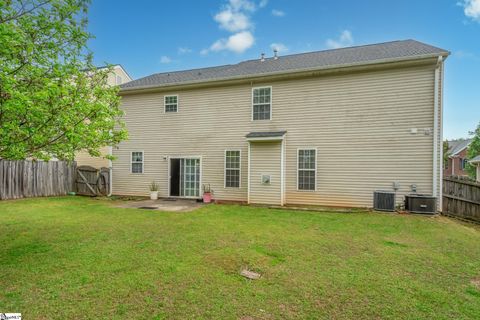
266,136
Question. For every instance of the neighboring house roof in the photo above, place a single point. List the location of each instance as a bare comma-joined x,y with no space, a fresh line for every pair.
117,66
327,59
475,160
456,146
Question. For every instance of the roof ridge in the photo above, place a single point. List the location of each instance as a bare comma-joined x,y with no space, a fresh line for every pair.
333,49
271,58
398,50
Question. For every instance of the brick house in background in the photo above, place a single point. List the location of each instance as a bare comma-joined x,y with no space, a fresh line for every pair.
457,158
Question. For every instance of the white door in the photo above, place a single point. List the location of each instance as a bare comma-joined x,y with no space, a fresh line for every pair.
190,177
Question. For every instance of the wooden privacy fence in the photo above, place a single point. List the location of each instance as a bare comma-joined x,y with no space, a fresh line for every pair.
461,198
25,179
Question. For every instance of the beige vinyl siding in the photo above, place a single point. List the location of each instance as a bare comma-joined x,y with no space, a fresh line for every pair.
359,123
265,159
84,159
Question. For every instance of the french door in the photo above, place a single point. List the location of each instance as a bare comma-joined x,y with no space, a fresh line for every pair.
189,177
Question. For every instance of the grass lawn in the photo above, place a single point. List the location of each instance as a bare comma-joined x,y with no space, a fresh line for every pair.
65,258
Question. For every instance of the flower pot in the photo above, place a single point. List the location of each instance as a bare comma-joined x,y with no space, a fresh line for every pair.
207,197
153,195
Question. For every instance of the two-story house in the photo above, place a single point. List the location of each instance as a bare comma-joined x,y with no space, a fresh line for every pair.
317,128
457,158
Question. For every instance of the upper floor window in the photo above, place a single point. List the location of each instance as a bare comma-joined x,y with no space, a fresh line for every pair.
262,103
307,169
137,162
171,103
232,168
118,80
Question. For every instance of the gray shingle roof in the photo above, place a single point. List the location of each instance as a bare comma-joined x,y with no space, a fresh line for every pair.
475,160
455,146
388,51
266,134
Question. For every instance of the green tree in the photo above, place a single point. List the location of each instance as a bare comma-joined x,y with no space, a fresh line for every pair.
473,151
446,153
53,102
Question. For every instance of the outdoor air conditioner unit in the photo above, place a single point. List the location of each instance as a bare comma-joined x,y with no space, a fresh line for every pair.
384,200
420,203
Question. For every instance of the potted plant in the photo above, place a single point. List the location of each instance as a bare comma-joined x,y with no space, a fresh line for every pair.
153,191
207,193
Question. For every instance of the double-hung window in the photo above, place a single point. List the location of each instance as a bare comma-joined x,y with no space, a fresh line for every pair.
171,103
137,162
232,169
307,169
262,103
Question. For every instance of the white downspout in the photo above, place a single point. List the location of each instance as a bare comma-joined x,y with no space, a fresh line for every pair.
282,173
248,172
110,178
436,111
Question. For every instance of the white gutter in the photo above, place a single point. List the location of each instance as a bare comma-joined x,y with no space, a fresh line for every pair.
436,111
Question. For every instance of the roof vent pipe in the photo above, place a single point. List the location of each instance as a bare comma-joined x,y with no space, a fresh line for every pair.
275,54
262,57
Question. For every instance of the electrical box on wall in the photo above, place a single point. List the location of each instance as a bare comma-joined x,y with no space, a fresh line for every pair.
266,179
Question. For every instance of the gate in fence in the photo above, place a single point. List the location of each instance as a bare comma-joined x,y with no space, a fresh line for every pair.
92,182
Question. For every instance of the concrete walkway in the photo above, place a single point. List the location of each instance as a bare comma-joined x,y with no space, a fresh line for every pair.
164,204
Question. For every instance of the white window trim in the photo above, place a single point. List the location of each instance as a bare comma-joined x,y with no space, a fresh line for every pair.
169,174
271,102
297,169
143,162
165,105
225,169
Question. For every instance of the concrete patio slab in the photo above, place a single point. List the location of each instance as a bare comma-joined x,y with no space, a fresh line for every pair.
163,204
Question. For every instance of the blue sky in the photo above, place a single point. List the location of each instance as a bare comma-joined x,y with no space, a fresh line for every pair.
148,36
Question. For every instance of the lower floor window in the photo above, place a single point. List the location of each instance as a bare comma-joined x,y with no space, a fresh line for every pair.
137,162
232,168
307,167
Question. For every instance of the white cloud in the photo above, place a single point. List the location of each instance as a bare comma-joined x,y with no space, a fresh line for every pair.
345,40
235,17
238,42
278,13
184,50
232,21
238,5
165,59
280,47
471,8
263,3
